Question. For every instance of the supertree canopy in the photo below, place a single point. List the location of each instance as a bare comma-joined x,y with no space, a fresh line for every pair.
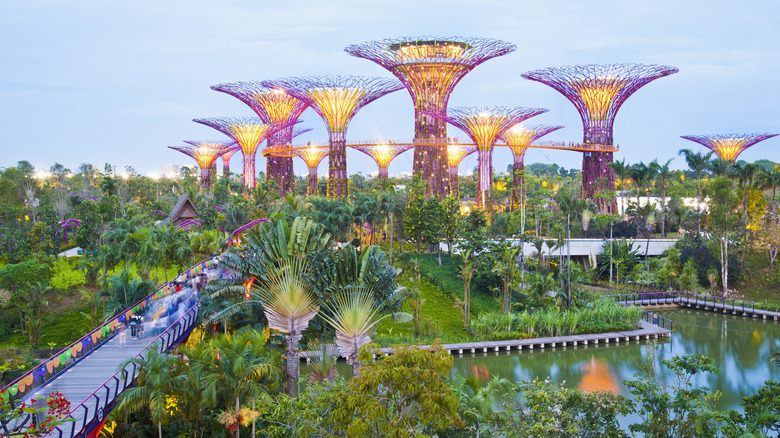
430,67
383,154
455,155
274,106
598,91
519,138
728,146
226,160
312,155
336,99
485,126
248,133
205,154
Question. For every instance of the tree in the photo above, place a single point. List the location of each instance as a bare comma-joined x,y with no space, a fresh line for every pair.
54,411
451,220
507,268
723,220
467,273
664,174
28,284
414,214
697,163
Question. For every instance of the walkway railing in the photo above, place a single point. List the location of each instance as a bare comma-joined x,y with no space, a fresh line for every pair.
97,405
658,320
639,298
678,297
73,353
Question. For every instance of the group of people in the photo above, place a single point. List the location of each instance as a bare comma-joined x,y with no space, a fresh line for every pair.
197,281
136,325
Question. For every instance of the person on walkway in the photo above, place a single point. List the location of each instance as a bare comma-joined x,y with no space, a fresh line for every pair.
133,327
141,327
122,335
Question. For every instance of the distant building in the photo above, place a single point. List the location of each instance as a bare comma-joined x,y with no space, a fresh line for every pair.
183,211
170,170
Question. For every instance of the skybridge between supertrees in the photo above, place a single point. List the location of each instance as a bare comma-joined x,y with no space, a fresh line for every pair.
337,100
248,133
430,67
205,154
598,91
382,154
519,138
226,160
275,107
455,155
312,155
484,126
728,146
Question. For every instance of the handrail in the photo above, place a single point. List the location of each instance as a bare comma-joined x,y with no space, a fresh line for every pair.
651,317
61,361
677,296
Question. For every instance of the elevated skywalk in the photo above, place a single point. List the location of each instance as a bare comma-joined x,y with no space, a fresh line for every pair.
87,372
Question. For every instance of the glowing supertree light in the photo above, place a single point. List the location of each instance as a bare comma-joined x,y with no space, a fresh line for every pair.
205,154
728,146
226,160
336,99
248,133
430,67
485,126
383,154
455,155
312,156
598,91
519,138
274,106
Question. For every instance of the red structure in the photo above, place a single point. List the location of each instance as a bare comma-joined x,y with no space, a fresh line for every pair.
336,99
248,133
275,107
383,154
312,155
485,126
226,160
598,91
205,154
429,68
455,155
519,138
728,146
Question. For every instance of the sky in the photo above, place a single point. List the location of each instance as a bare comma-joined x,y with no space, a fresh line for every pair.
104,81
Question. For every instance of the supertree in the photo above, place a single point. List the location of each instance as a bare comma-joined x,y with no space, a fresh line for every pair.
728,146
205,154
485,126
274,106
455,155
519,138
248,133
430,67
226,160
598,91
336,99
383,154
312,155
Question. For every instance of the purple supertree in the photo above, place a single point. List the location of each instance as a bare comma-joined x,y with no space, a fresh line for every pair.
336,99
248,133
598,91
226,160
728,146
205,153
519,138
430,67
455,154
382,154
485,126
276,107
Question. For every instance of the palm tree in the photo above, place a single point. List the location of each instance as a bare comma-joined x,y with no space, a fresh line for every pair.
467,273
506,266
324,368
697,163
159,378
569,205
289,305
664,173
354,319
719,167
641,175
769,179
744,174
122,292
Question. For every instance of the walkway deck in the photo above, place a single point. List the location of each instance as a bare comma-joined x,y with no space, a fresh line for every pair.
705,302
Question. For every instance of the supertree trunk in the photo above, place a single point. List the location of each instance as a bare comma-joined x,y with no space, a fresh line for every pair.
518,181
205,177
597,177
430,162
337,167
484,158
288,176
313,188
226,170
383,174
454,183
213,171
249,171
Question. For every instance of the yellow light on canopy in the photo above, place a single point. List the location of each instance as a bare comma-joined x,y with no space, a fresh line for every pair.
485,127
278,104
336,105
248,136
728,148
598,94
422,50
456,154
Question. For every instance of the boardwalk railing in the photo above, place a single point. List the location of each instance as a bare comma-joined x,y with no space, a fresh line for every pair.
76,351
639,299
658,320
682,297
90,412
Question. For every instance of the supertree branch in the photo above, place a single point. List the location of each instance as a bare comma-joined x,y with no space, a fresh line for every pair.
312,155
598,91
226,160
248,133
383,154
519,138
336,99
205,154
728,146
485,126
430,67
455,155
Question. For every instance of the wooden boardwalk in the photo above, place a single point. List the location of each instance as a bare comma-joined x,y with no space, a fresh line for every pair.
735,308
646,331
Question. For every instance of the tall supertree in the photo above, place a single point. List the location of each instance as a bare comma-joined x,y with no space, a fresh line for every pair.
485,126
336,99
274,106
205,154
598,91
248,133
455,155
728,146
312,155
430,67
383,154
519,138
226,160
